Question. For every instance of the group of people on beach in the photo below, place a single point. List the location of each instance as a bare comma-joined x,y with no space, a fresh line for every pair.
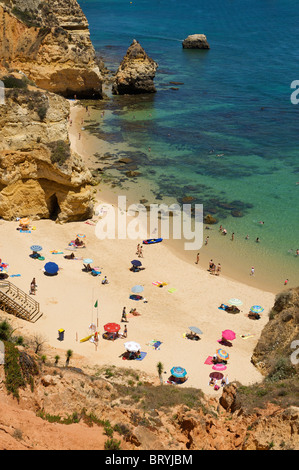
213,269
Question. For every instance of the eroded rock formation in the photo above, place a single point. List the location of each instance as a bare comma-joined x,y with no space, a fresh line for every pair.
136,72
196,41
50,42
39,176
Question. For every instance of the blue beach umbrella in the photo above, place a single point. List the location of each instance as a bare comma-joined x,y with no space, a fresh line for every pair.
87,260
51,268
137,289
36,248
178,372
257,309
136,262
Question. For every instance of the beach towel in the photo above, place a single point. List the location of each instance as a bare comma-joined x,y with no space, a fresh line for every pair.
152,342
209,360
15,275
55,252
25,231
220,308
246,336
142,356
171,290
157,345
159,283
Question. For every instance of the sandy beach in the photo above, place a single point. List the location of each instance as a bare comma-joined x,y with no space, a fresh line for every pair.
68,300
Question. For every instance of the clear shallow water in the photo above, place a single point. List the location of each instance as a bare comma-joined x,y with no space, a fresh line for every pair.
229,135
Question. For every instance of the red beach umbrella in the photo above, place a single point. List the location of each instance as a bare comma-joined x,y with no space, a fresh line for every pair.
229,335
112,327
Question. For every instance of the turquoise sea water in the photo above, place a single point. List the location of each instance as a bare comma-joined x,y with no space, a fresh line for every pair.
228,136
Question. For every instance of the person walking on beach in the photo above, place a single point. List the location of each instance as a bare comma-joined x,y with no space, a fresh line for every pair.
140,252
252,271
197,258
125,334
233,236
138,249
124,315
218,270
33,286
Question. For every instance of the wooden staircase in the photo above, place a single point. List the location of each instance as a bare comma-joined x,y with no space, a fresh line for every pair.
14,301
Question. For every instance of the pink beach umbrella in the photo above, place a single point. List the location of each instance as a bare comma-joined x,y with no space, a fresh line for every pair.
229,335
219,367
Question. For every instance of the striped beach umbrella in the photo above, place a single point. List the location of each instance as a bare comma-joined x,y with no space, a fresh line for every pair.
257,309
235,302
81,235
222,354
36,248
178,372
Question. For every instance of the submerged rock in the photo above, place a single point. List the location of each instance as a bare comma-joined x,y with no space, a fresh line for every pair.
136,72
196,41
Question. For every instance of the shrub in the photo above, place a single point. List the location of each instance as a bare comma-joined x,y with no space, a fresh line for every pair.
60,152
112,444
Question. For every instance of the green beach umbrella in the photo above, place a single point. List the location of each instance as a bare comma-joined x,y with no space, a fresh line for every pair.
257,309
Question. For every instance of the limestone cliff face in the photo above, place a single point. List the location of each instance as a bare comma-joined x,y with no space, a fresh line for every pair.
136,73
50,42
277,345
39,176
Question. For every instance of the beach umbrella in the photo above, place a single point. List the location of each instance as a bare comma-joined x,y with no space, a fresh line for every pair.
81,235
51,268
36,248
195,330
216,375
222,354
178,372
257,309
136,262
87,260
235,302
112,327
219,367
228,335
24,221
132,346
137,289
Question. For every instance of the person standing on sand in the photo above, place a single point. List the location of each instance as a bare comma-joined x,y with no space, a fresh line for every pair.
233,236
138,249
218,270
252,271
33,286
286,281
140,252
197,258
125,334
124,315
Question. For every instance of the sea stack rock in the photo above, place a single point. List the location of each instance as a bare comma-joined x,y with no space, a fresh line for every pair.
196,41
136,72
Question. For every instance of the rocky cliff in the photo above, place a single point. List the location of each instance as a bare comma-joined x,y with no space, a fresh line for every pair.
275,354
50,42
39,176
136,72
